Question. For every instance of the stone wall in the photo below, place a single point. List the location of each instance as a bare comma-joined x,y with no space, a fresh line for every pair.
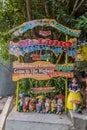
7,87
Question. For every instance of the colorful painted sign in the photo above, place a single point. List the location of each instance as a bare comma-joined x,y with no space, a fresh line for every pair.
44,33
60,74
40,57
65,67
35,65
18,76
24,47
18,31
40,70
43,90
32,42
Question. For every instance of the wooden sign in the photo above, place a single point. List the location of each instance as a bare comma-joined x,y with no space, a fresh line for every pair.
60,74
34,65
55,46
32,42
65,67
18,31
47,76
43,90
44,33
40,57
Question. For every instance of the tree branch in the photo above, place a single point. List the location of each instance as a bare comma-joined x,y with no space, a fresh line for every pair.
46,8
75,8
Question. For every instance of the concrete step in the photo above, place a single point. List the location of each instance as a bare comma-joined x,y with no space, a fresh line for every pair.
36,121
79,120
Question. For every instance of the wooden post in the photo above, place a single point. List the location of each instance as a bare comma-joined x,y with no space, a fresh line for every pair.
66,82
17,93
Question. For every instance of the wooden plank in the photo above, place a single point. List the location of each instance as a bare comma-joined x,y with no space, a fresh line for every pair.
5,112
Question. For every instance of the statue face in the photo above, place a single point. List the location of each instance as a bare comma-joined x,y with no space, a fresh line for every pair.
74,80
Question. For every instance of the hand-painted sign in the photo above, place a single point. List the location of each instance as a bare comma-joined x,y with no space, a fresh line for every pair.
26,46
18,31
18,76
44,33
40,57
39,70
43,90
65,67
32,42
60,74
35,65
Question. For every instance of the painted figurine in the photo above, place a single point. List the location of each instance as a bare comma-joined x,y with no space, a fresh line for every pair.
59,106
74,97
20,105
32,105
39,105
53,106
47,105
26,104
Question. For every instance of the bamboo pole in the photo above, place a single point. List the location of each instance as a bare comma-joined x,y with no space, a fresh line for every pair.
66,82
59,58
17,93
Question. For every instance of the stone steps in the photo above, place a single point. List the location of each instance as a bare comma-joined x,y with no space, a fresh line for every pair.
36,121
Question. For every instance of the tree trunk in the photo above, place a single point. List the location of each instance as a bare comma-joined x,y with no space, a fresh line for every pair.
28,7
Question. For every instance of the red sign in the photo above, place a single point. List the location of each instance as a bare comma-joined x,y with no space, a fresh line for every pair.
31,42
44,33
60,74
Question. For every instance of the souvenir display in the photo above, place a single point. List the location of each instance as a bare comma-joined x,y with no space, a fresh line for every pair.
26,104
53,106
32,105
59,106
20,105
39,106
74,97
47,105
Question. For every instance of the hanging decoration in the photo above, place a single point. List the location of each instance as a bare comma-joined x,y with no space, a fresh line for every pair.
44,33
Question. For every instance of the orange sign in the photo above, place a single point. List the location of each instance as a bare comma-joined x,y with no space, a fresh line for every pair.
37,76
35,65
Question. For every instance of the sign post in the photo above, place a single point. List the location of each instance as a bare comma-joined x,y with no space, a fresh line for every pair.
66,84
17,93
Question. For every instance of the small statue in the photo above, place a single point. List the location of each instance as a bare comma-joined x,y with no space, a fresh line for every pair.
59,106
39,105
32,105
47,105
26,104
74,97
53,106
20,105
